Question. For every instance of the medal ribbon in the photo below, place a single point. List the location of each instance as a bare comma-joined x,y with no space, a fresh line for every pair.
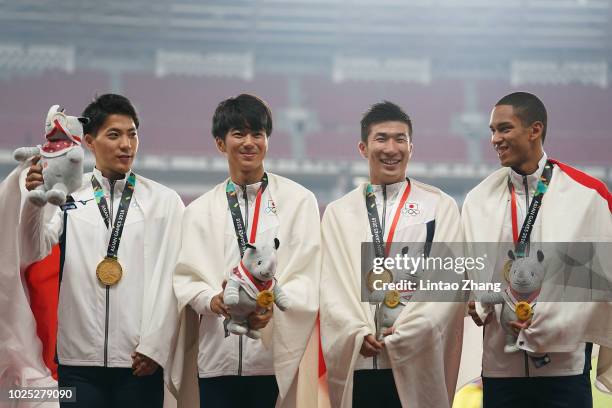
238,221
258,284
521,239
375,227
122,211
514,297
252,287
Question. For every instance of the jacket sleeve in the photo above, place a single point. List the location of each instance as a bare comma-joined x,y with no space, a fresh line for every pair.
190,286
36,235
160,314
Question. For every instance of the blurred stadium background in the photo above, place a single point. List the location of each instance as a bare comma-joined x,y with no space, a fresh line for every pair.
319,64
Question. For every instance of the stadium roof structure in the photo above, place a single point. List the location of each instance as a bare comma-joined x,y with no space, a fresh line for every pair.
425,39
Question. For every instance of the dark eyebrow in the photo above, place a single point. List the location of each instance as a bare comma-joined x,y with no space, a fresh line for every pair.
501,125
388,134
113,129
505,124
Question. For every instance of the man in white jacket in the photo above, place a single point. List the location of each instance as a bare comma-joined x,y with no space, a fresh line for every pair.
535,199
416,363
118,234
250,207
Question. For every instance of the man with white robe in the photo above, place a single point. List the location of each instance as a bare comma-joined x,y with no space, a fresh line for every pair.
416,363
116,327
575,207
235,370
21,362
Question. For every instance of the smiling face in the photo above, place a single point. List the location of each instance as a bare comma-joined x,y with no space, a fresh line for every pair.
388,151
245,150
517,146
114,146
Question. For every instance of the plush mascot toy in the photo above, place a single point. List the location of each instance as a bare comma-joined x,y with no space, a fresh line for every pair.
252,287
388,312
393,301
520,297
61,158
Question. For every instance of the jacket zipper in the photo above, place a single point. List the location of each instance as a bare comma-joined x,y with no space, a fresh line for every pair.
384,216
106,317
374,358
246,227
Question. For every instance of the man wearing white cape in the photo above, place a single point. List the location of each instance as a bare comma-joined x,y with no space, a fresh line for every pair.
21,362
416,363
575,207
117,324
250,207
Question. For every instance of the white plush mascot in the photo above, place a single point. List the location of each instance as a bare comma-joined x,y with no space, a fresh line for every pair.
252,287
388,312
392,302
61,157
520,297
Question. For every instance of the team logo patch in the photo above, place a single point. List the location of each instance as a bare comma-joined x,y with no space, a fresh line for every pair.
271,208
411,208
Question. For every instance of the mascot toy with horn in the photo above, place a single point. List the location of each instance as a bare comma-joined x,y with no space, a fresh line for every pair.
61,158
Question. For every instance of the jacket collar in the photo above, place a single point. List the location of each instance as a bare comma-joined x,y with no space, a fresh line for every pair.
105,183
518,180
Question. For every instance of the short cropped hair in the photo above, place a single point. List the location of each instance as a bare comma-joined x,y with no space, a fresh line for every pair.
105,105
383,112
241,112
527,107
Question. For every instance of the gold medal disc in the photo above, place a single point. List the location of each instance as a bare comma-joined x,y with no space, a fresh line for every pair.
265,298
109,271
523,311
385,277
392,298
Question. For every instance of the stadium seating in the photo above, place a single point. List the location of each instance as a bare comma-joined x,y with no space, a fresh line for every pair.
176,112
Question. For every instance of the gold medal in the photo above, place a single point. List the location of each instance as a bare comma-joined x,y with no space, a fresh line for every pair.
523,311
109,271
384,277
265,298
506,270
392,298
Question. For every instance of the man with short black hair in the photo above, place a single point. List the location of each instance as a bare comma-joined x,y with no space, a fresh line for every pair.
251,207
564,205
117,317
415,362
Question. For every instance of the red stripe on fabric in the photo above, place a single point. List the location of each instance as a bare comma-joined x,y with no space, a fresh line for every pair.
586,180
322,366
42,280
256,216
